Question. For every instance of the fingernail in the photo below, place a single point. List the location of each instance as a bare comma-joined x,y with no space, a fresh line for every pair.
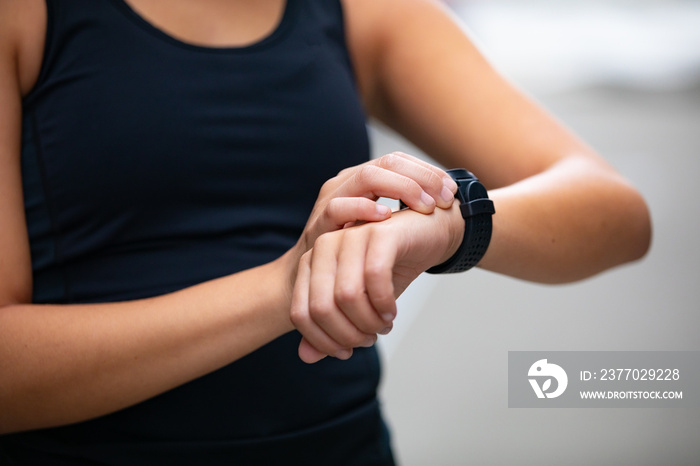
383,210
368,343
388,317
427,200
450,183
385,331
343,354
446,194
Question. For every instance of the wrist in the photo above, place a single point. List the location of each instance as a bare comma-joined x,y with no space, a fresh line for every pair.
476,209
286,267
454,225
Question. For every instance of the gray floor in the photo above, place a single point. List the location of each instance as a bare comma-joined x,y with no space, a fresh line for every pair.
445,382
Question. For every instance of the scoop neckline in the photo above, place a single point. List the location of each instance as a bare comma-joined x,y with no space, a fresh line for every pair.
262,43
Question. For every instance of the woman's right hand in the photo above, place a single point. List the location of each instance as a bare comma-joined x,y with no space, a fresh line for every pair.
350,197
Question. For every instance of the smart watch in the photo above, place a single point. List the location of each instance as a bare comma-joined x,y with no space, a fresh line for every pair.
477,209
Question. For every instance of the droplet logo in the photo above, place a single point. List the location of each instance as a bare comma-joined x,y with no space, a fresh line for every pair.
545,372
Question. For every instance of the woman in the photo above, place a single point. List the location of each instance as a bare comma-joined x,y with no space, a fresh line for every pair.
164,234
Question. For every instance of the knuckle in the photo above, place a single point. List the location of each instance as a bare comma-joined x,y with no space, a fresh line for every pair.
384,298
297,316
351,236
348,208
401,155
362,204
367,173
321,310
328,186
350,338
374,270
304,261
411,186
389,161
323,242
369,327
343,341
326,346
357,340
347,294
332,208
434,179
382,293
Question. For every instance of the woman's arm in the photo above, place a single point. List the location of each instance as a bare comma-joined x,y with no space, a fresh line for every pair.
61,364
563,213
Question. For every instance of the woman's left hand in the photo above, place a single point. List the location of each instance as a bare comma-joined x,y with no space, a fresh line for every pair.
346,286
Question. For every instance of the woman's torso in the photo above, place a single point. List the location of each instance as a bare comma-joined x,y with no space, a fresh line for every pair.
150,164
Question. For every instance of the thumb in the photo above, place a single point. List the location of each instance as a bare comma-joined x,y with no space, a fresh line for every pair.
341,211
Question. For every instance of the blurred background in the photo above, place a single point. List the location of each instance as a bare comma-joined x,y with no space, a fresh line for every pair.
624,75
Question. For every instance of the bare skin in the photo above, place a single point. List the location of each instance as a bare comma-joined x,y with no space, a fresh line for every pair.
552,194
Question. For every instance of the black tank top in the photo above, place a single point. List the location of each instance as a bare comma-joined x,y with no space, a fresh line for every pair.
150,165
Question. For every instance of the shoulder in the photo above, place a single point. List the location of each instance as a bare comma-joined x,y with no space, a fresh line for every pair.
383,31
22,36
391,16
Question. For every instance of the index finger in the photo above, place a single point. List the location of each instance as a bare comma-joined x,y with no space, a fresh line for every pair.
397,175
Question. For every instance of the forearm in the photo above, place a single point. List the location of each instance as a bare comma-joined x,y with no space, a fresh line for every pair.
569,222
558,217
63,364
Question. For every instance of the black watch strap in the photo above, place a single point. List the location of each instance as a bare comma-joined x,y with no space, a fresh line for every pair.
477,209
